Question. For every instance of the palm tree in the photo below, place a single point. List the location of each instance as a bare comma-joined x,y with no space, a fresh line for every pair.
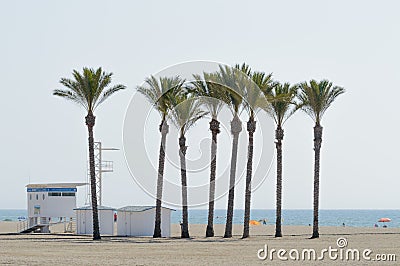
89,89
281,107
160,92
228,79
254,100
315,98
185,114
212,98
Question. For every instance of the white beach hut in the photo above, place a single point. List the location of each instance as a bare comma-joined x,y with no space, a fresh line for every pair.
84,220
139,221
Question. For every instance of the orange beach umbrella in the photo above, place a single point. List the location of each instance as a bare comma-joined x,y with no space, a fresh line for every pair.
384,220
254,222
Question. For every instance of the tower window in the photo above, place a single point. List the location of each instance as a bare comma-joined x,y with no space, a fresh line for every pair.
68,194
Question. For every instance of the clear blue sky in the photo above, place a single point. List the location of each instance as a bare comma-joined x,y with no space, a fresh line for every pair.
355,44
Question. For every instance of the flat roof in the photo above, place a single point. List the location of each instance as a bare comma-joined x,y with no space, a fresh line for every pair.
139,208
56,185
98,207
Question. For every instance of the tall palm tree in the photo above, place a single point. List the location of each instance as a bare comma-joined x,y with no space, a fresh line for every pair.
281,107
212,97
160,92
185,114
89,89
228,79
254,100
315,98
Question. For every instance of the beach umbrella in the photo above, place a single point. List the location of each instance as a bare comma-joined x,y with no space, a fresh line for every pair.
384,220
254,222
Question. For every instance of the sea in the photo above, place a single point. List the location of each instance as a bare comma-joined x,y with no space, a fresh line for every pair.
354,218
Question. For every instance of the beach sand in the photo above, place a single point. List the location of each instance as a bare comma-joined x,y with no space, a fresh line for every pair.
64,249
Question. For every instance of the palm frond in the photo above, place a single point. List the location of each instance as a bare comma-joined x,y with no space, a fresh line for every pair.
73,86
88,88
245,68
160,92
208,93
71,96
282,102
252,85
110,92
229,80
186,112
316,97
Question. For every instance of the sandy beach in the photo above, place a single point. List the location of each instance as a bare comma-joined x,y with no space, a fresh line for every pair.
63,249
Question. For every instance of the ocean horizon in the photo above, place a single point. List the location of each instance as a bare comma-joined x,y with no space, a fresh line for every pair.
327,217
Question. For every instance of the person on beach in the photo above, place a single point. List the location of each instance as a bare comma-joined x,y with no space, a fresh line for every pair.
181,224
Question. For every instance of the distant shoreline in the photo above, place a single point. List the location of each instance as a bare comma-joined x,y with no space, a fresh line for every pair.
335,218
7,227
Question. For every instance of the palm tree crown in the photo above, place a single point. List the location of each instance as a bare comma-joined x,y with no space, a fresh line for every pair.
88,89
230,80
281,98
160,92
253,96
187,110
210,94
316,97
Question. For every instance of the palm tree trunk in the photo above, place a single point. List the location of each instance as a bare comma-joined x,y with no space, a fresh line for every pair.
185,218
214,127
279,137
161,160
251,128
236,128
90,121
317,150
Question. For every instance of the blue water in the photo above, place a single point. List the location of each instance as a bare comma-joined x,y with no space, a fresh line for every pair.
13,215
357,218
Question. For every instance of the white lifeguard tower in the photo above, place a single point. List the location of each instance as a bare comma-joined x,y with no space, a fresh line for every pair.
49,203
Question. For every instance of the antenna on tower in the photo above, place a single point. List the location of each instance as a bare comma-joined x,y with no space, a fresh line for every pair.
100,168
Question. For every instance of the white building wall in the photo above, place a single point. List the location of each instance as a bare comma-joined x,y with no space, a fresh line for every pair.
122,226
165,222
142,223
50,206
84,222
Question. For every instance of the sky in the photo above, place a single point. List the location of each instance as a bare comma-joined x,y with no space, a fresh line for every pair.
354,44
